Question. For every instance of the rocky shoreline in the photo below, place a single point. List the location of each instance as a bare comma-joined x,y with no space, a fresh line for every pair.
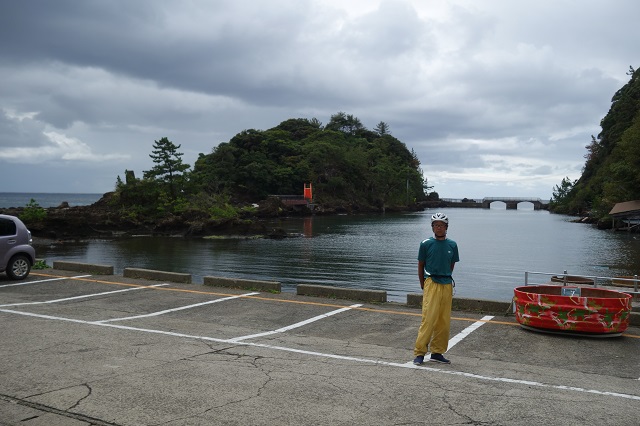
102,220
98,221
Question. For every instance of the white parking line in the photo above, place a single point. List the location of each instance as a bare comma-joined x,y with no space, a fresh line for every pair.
43,281
464,333
153,314
296,325
84,296
342,357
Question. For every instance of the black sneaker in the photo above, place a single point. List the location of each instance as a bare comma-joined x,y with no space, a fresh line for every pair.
439,358
419,360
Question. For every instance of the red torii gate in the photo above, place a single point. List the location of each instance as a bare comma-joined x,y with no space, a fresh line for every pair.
297,200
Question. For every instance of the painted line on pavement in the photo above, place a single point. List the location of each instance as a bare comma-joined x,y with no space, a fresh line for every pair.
467,331
296,325
464,333
300,302
84,296
341,357
153,314
44,281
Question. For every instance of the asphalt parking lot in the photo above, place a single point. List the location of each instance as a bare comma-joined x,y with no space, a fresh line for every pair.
78,349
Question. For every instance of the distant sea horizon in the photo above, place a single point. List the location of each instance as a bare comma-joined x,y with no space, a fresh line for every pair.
47,199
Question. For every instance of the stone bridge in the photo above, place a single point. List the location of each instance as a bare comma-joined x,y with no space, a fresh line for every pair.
512,202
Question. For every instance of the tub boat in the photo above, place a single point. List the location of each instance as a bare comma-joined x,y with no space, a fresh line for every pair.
572,309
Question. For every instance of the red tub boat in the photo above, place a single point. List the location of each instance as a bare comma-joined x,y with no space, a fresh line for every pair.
572,309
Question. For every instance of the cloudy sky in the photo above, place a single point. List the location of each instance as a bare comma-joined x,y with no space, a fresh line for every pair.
496,97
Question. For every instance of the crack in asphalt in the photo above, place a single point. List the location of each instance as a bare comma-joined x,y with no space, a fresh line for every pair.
89,391
93,421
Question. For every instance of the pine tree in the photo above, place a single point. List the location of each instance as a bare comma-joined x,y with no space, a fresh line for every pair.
168,165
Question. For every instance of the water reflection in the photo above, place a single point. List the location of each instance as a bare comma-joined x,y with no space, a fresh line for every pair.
379,251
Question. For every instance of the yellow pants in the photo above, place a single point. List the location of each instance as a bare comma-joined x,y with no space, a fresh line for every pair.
433,334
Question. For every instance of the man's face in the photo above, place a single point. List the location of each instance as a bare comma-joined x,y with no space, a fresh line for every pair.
439,229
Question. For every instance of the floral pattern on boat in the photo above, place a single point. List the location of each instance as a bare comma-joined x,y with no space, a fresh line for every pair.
576,309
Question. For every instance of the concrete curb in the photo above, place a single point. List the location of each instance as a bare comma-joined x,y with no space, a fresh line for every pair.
414,300
149,274
83,267
480,305
374,296
244,284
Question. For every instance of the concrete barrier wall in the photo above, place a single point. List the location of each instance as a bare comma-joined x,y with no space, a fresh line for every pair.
414,300
149,274
244,284
374,296
463,304
83,267
480,305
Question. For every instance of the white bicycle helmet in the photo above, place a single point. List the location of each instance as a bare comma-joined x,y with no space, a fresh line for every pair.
440,217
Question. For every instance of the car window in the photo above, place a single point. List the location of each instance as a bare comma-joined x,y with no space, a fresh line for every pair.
7,227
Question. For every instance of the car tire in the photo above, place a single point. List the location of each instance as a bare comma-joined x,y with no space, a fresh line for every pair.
19,267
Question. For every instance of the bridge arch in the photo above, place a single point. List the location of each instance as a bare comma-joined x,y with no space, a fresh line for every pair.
512,202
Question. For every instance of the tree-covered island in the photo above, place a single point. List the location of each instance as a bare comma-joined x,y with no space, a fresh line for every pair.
240,182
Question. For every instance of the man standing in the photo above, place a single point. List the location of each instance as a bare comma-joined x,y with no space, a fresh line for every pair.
436,257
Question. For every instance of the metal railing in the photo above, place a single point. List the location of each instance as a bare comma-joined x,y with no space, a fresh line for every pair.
566,278
462,200
521,199
491,199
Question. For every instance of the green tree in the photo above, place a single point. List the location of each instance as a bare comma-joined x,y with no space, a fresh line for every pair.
347,164
623,171
382,129
562,191
168,166
610,173
344,123
33,212
426,187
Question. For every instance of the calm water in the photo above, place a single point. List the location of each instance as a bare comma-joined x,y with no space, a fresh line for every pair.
379,252
46,199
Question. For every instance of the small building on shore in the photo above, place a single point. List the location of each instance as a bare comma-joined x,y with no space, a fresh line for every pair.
626,216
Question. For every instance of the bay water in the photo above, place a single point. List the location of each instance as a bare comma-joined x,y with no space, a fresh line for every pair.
46,199
380,251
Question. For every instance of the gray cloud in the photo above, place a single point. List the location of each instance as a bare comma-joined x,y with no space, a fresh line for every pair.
493,97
